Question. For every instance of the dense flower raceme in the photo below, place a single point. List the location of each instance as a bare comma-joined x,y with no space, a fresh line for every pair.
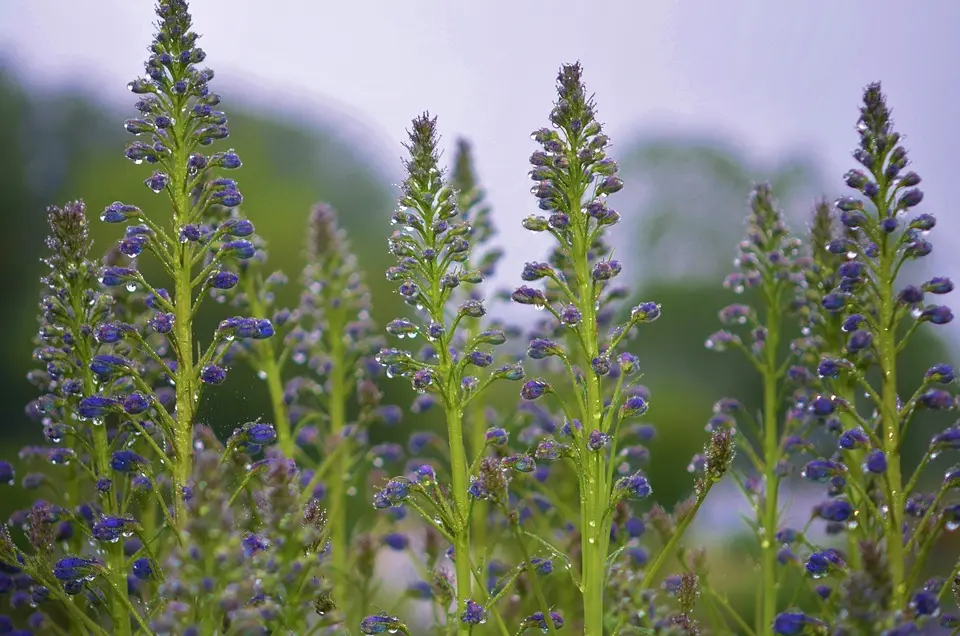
144,522
856,316
319,368
574,178
769,262
439,224
205,240
119,381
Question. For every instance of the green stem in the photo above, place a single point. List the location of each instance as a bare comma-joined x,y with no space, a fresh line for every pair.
187,391
460,478
890,415
846,392
771,452
186,388
271,371
671,545
338,522
478,444
534,579
117,574
594,491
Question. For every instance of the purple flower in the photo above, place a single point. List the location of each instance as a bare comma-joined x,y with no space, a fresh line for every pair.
380,624
821,563
821,470
645,312
7,474
125,461
213,374
834,510
541,348
794,624
938,285
118,212
396,541
136,403
474,614
635,486
634,406
252,544
876,462
257,433
534,389
143,568
940,373
494,436
238,249
524,295
157,181
223,280
96,406
538,620
73,568
110,529
936,314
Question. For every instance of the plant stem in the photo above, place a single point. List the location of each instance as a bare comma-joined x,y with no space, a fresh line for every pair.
890,414
534,578
594,492
478,444
272,375
101,445
458,470
338,521
771,453
116,561
185,381
187,391
671,545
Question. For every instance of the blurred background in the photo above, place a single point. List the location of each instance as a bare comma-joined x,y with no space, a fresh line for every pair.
701,99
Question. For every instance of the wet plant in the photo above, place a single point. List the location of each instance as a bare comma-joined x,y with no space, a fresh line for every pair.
519,500
834,405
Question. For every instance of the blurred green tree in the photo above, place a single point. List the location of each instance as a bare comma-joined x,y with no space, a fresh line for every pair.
690,197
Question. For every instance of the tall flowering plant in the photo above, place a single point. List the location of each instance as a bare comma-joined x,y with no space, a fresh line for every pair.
123,370
146,523
320,379
574,180
856,318
432,246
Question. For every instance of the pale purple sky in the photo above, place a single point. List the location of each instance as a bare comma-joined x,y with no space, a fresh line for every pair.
771,75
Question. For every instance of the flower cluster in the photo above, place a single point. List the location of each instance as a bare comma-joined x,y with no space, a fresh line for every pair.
535,510
438,225
856,317
574,178
121,377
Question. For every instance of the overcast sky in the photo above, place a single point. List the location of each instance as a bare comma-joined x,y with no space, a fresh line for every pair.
771,75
